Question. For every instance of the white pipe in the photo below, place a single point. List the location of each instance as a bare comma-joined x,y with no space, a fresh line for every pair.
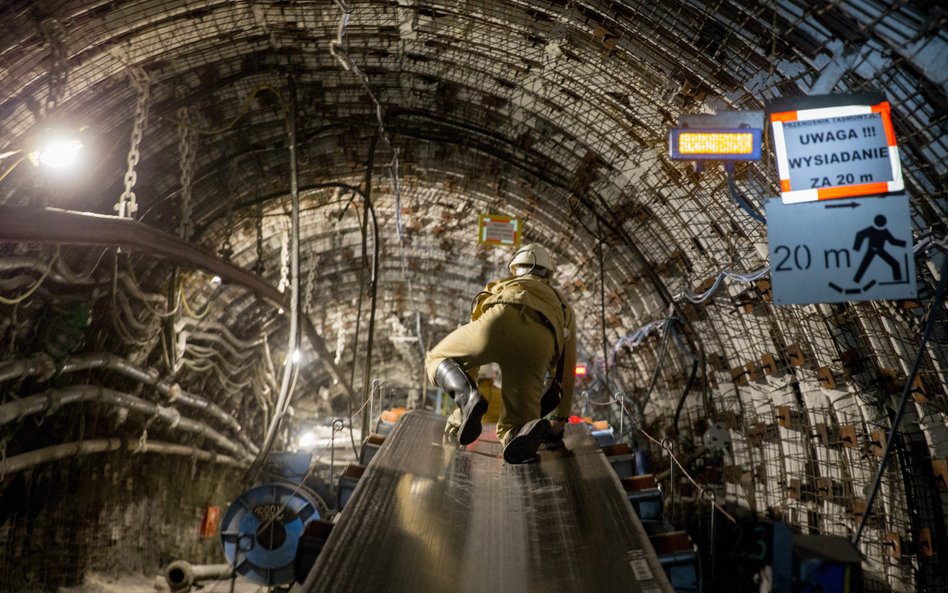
38,456
53,399
181,575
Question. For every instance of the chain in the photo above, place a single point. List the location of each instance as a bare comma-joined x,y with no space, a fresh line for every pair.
187,154
284,260
340,328
127,206
58,74
259,267
310,282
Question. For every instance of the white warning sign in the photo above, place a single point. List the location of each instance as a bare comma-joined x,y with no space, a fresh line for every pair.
495,229
836,152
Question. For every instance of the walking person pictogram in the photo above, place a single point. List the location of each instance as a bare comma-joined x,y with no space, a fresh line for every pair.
877,238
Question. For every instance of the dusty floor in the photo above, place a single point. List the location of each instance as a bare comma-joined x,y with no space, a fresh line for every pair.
98,583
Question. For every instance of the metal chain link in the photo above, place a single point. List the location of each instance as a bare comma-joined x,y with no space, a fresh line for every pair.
127,206
186,137
259,267
310,282
284,260
58,74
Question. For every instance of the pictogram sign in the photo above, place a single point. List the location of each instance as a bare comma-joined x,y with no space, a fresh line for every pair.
837,251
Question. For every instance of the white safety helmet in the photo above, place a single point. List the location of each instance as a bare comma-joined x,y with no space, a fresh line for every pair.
530,257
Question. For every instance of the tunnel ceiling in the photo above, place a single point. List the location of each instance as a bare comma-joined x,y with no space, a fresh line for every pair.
553,112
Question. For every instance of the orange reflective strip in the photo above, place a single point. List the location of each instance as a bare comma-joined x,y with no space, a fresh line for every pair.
784,116
784,185
849,191
886,112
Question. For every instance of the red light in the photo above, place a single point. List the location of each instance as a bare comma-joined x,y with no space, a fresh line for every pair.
575,420
580,370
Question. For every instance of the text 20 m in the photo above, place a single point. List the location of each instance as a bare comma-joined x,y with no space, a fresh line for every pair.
799,257
841,179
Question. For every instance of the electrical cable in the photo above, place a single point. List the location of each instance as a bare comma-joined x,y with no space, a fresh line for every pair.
29,292
290,369
695,363
933,314
602,307
687,294
243,111
666,333
373,289
732,187
694,482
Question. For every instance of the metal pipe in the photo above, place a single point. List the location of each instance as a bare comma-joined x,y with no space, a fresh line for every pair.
49,225
53,399
27,460
181,575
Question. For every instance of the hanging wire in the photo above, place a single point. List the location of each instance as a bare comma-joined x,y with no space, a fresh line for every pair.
699,487
689,295
248,100
732,188
29,292
933,314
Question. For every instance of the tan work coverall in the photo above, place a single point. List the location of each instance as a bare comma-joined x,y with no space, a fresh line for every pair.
523,325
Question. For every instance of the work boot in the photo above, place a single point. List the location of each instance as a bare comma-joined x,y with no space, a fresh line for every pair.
523,446
450,377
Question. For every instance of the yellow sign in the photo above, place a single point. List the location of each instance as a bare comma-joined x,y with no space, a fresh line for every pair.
495,229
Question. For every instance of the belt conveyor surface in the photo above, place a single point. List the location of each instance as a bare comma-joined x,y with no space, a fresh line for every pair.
428,517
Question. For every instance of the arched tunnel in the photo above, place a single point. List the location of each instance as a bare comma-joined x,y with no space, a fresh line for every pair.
275,213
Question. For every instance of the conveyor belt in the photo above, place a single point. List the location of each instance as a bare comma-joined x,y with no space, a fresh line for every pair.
432,518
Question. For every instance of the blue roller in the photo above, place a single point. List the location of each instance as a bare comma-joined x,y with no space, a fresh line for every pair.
261,530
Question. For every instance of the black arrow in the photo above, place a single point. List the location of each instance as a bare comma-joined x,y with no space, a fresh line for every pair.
849,205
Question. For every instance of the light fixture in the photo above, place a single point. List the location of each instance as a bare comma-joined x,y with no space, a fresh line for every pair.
216,281
728,136
721,144
306,441
296,356
59,152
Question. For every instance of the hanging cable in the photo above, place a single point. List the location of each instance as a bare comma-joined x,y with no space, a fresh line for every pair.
933,314
732,187
22,297
602,305
373,289
290,368
666,334
697,361
687,294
